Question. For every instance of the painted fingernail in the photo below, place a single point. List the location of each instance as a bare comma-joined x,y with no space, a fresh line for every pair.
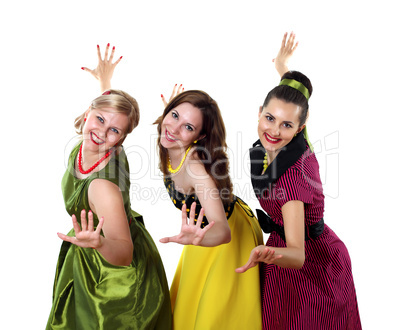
161,95
114,47
97,46
121,57
82,68
108,45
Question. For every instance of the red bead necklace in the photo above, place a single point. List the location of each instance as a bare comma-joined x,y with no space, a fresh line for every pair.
94,165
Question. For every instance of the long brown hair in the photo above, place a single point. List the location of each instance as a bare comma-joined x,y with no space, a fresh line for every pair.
211,150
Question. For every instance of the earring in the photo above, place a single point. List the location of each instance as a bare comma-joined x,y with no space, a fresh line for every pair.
85,119
195,141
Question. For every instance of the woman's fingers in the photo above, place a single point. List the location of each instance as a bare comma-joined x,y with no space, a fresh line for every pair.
112,54
84,224
285,36
200,217
100,225
192,212
184,215
99,53
90,226
76,226
118,61
106,51
163,100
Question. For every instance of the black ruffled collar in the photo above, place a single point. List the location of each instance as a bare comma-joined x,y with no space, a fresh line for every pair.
285,159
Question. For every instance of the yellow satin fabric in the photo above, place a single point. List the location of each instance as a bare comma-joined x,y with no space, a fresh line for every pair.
207,293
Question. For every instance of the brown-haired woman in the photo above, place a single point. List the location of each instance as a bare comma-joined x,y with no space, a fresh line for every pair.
109,273
194,162
206,292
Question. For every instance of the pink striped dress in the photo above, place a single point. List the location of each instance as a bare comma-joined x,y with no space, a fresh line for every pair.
320,295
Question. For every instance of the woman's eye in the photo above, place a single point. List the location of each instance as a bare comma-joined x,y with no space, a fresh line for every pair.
115,130
174,115
189,128
269,118
287,125
100,119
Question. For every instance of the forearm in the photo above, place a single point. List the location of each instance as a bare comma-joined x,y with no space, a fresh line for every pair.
292,257
281,68
217,235
105,84
116,252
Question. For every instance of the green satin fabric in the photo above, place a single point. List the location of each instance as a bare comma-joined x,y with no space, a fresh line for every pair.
89,292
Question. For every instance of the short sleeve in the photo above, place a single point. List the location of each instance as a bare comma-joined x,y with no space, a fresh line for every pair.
293,185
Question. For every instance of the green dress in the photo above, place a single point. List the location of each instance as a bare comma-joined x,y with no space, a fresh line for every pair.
89,292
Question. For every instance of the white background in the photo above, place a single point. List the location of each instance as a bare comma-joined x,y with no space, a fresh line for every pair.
349,49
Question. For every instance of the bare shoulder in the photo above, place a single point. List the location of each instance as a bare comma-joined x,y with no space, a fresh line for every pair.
195,169
102,186
102,192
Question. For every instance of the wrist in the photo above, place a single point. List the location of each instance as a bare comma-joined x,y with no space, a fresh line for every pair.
99,243
281,68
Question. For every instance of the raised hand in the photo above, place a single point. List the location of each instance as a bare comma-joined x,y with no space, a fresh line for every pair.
191,234
176,91
104,71
259,254
86,236
285,53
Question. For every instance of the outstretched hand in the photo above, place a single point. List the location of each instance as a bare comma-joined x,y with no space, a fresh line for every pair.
104,71
176,91
259,254
285,53
191,234
85,236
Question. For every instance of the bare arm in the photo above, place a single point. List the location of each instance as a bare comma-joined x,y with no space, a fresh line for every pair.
217,231
106,201
293,220
210,199
116,245
292,256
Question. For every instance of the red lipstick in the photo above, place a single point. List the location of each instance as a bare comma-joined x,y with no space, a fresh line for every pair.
270,139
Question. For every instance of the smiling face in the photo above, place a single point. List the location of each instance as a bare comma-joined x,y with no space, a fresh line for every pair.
278,124
181,126
103,129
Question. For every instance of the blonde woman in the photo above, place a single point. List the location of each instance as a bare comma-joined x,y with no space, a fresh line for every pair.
109,274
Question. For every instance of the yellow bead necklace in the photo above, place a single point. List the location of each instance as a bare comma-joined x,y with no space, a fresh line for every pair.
265,162
169,165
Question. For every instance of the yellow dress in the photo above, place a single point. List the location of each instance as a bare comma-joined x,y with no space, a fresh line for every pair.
206,292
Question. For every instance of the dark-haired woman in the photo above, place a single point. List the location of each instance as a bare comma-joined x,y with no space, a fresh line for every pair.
206,293
309,285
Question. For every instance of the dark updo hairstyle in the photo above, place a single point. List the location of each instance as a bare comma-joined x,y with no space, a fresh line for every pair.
291,95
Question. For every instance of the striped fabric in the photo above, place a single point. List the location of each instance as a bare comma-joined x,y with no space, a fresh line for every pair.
320,295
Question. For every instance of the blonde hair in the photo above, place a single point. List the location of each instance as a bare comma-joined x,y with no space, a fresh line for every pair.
121,101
